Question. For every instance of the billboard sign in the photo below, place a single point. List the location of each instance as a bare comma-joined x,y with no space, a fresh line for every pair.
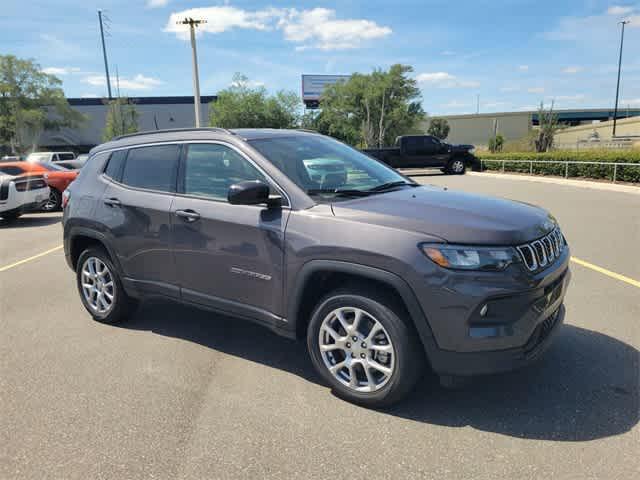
314,85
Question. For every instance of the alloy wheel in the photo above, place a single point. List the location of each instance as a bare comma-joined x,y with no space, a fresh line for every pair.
51,202
356,349
98,285
457,166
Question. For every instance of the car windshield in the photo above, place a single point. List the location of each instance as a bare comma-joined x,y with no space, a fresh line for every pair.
322,166
53,168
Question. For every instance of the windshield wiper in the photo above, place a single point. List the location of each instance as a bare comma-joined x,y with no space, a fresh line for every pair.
389,185
338,192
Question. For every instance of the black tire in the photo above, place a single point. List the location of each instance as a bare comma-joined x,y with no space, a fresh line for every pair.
456,166
54,203
409,356
123,306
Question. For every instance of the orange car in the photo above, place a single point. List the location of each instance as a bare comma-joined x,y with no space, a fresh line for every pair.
57,177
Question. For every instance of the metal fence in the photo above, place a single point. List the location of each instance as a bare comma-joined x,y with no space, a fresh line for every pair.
565,163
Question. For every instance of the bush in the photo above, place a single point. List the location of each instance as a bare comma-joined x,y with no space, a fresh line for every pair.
624,173
496,143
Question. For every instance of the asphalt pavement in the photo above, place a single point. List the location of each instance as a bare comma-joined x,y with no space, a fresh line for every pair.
180,393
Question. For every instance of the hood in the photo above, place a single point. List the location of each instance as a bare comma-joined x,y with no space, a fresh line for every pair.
454,216
462,148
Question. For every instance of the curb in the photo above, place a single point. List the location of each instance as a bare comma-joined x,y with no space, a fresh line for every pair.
611,187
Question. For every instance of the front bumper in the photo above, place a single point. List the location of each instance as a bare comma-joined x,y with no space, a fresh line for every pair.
446,362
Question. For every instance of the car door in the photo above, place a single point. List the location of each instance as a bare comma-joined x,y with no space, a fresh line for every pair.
229,257
136,212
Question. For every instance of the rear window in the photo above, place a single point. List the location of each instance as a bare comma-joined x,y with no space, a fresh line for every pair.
114,167
66,156
10,170
152,168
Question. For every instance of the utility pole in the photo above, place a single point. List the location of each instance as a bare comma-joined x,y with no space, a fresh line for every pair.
104,54
196,81
615,111
477,104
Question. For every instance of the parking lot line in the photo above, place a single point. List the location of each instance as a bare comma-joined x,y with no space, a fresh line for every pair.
606,272
25,260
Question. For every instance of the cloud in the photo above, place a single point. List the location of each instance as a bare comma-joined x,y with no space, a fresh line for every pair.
317,28
139,82
523,68
447,53
572,70
248,83
510,89
568,98
601,29
157,3
629,101
618,10
90,95
60,70
535,90
445,80
456,104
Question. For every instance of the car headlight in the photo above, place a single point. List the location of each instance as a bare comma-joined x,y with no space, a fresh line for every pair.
463,257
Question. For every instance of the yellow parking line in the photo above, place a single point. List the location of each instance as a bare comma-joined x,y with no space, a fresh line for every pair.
25,260
606,272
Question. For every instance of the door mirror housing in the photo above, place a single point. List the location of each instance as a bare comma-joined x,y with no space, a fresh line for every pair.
252,193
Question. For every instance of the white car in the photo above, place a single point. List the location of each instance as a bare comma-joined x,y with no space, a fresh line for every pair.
49,157
21,194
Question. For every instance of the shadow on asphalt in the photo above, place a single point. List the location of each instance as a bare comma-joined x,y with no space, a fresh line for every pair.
586,387
27,221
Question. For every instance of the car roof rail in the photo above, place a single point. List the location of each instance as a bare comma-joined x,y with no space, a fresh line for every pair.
172,130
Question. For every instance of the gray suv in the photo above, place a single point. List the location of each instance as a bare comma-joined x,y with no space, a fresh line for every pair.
380,275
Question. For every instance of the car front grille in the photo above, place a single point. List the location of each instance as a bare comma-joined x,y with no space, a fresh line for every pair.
543,252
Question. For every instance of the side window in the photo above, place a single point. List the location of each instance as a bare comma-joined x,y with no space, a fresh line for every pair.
65,156
11,170
412,145
152,168
210,169
114,167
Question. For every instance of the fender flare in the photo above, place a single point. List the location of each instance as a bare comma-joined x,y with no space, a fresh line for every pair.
80,231
383,276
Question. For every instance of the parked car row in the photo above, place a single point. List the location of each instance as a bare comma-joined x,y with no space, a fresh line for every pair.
28,186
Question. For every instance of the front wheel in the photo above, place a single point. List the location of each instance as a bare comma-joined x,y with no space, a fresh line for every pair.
363,349
456,166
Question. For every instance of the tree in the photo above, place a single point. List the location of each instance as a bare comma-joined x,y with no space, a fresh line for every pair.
496,143
244,106
30,102
122,118
439,128
371,110
548,126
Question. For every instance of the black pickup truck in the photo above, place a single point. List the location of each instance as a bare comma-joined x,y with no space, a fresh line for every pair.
419,151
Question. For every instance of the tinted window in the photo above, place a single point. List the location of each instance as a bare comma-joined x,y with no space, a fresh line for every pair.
53,167
10,170
65,156
114,167
210,170
153,168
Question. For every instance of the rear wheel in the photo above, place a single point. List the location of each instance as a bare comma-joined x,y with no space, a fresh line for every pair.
456,166
363,349
54,201
100,287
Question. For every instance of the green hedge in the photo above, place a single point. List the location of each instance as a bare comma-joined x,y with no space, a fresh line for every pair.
624,173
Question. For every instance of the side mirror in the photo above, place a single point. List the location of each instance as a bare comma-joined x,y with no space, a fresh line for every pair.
252,193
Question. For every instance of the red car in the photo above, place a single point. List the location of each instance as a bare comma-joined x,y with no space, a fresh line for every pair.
57,178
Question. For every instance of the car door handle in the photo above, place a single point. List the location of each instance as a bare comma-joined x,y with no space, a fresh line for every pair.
188,215
112,202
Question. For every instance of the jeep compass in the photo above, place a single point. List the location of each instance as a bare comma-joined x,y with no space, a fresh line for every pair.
381,276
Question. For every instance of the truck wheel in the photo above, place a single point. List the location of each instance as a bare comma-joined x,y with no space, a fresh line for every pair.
363,349
456,166
100,287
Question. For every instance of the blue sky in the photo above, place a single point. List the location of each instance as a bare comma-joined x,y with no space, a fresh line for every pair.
512,53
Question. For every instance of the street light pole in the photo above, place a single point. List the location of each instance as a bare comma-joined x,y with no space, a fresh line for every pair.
615,111
196,80
104,54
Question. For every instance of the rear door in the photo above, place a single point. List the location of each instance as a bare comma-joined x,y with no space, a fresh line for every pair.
136,210
228,257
